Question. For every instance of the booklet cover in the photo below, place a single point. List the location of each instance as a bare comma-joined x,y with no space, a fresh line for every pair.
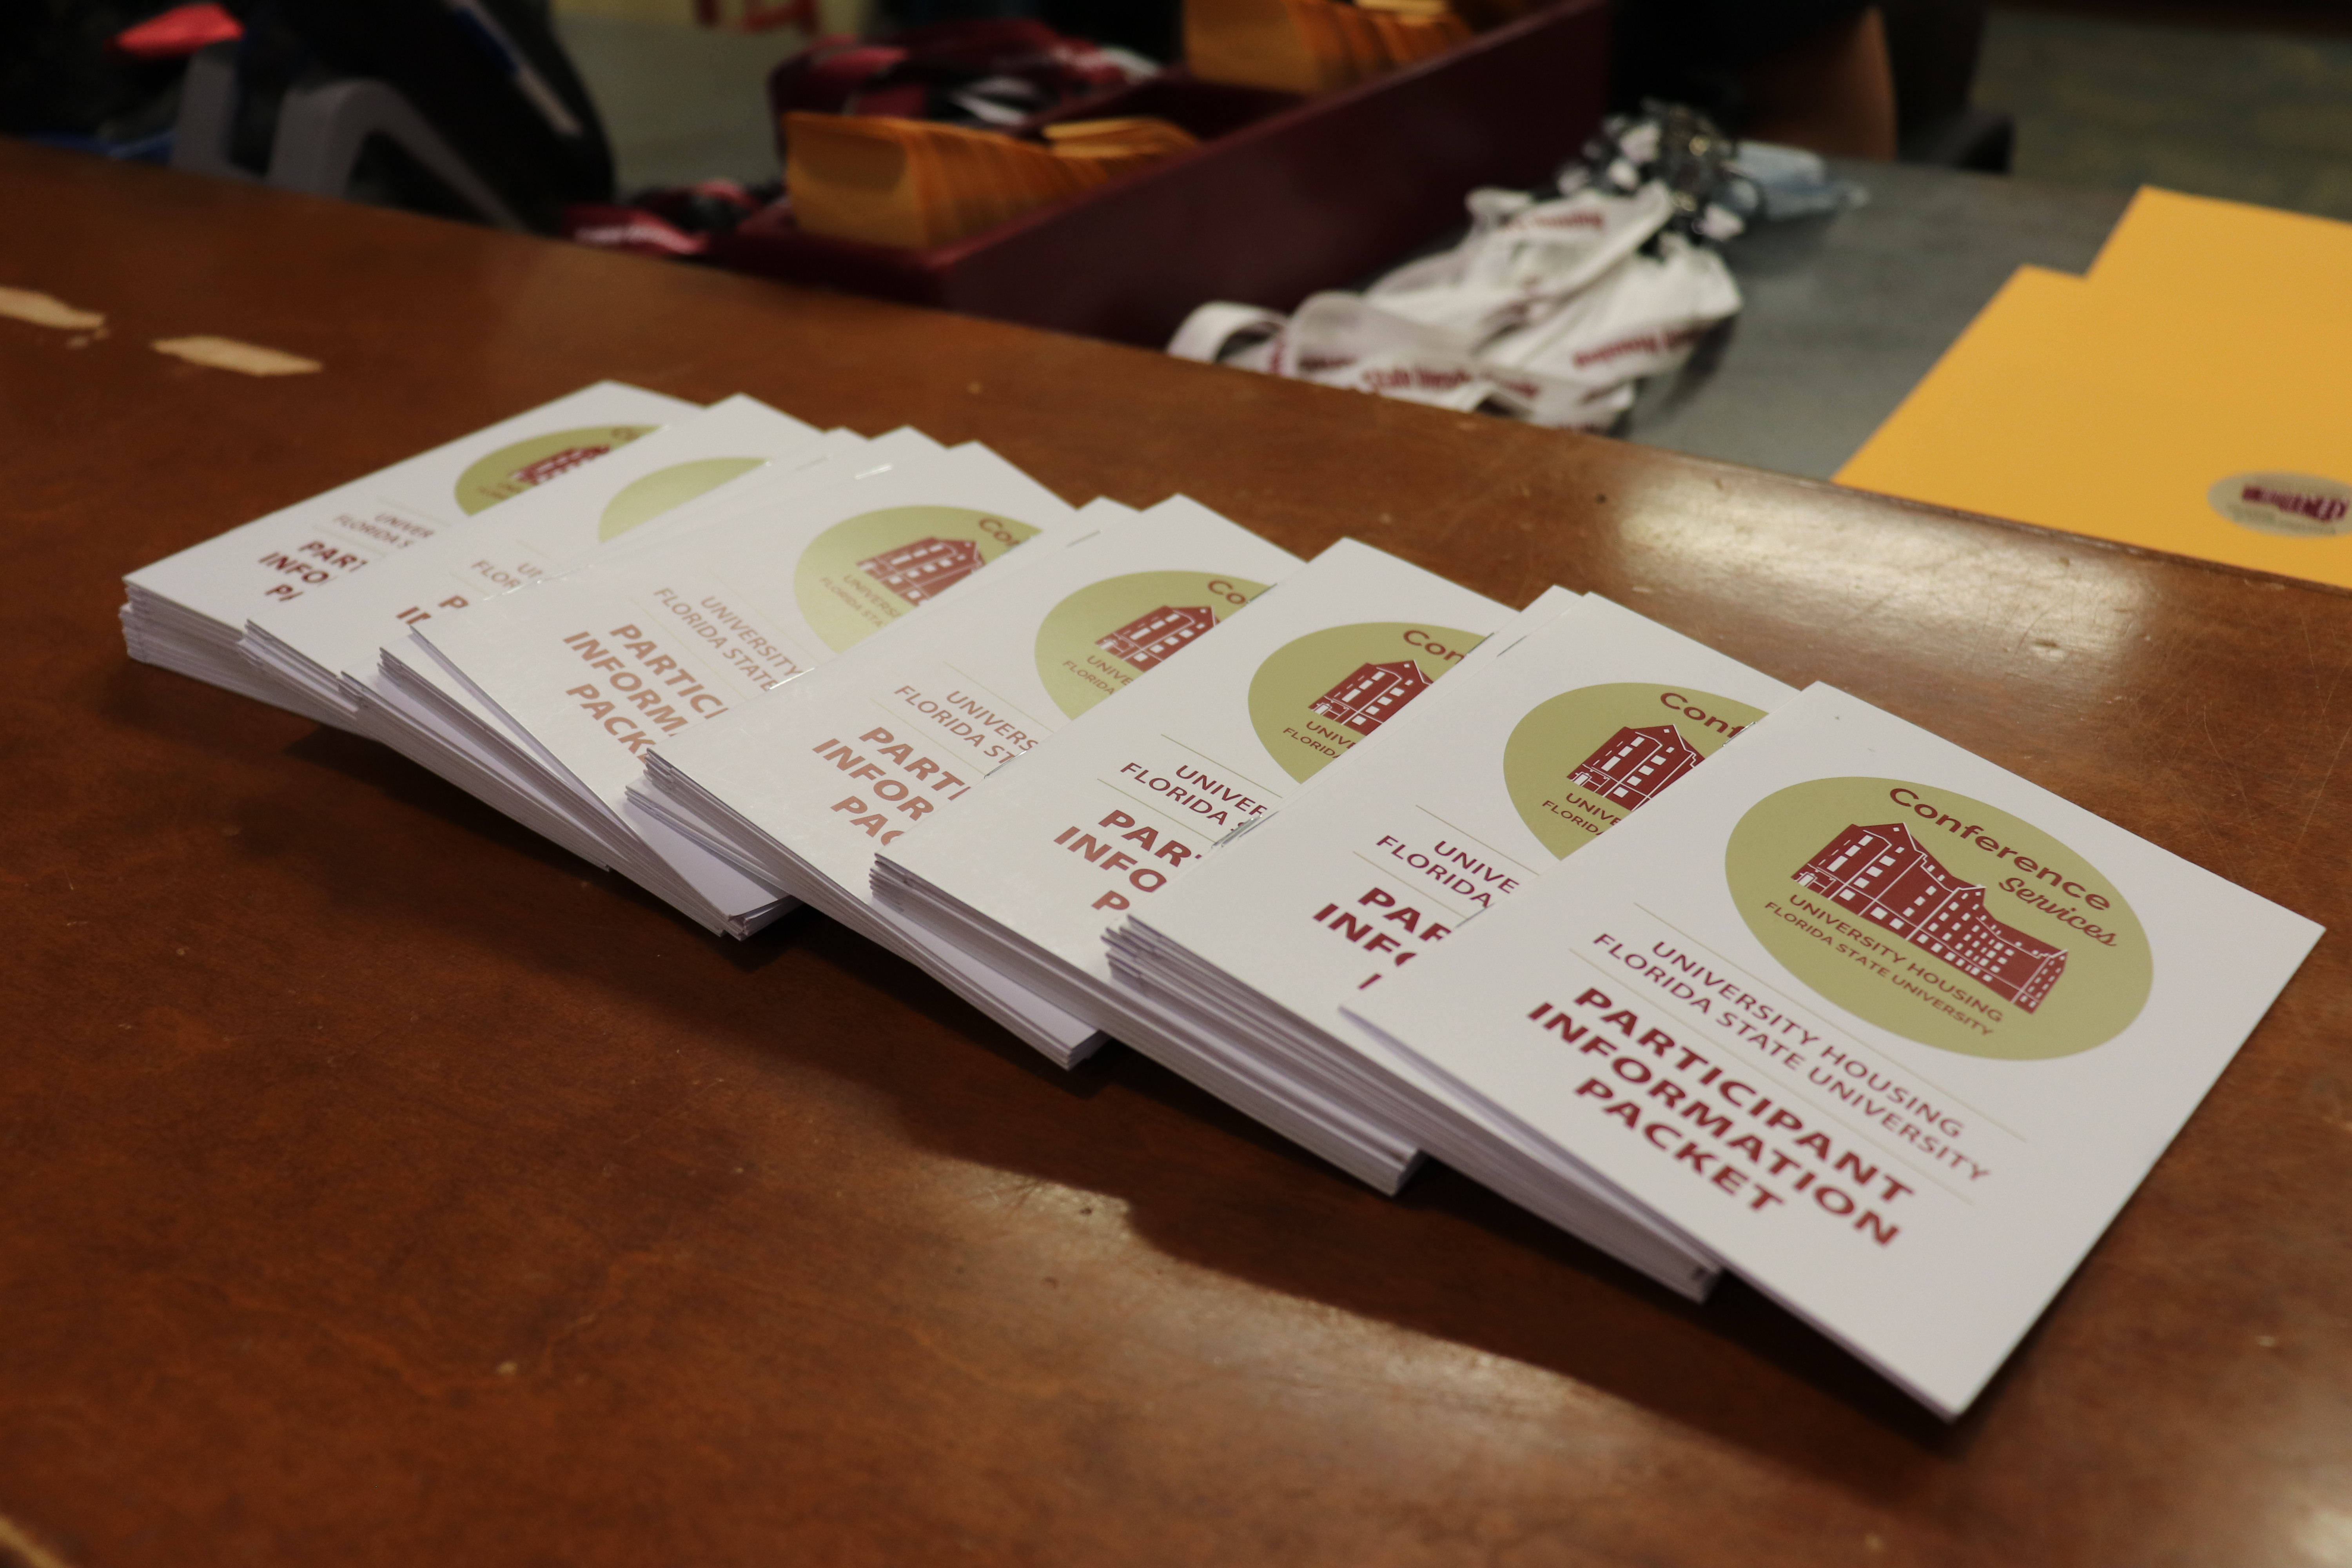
424,711
1478,794
1528,761
320,639
1892,1031
591,670
809,784
187,611
1061,847
1219,1054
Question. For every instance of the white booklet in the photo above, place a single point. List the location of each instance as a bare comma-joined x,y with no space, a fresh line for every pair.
422,710
186,612
1888,1029
587,672
805,787
1218,1052
1478,793
1033,870
321,641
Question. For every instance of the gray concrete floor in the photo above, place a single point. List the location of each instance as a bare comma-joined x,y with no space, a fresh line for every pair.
2251,116
1842,315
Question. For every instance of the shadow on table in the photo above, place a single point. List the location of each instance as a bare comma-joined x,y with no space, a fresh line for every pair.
1447,1259
366,761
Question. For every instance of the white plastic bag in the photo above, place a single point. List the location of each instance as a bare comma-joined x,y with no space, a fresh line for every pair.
1547,310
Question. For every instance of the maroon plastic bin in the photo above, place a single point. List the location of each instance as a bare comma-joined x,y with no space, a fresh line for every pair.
1284,196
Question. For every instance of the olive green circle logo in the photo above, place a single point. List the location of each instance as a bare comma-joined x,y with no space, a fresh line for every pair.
1947,920
648,496
1315,697
1097,641
862,574
1578,761
511,470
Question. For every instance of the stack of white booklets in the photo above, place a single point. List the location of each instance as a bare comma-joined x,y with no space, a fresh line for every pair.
1712,974
1890,1031
750,547
583,675
802,788
188,611
327,643
413,702
331,646
1583,711
1032,870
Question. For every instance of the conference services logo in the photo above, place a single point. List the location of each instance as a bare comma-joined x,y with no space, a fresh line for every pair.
648,496
1578,761
1949,922
2292,506
1316,696
1096,642
864,573
512,469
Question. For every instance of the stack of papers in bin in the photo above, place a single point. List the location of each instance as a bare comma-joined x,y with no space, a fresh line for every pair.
1313,45
915,183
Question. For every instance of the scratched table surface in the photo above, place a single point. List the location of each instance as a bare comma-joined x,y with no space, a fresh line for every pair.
381,1186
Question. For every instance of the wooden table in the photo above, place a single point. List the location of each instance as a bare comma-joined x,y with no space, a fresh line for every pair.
379,1186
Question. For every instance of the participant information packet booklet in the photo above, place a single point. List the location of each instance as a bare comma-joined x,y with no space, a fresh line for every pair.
325,642
1890,1030
1222,1058
1052,850
590,670
807,785
187,611
422,710
1483,789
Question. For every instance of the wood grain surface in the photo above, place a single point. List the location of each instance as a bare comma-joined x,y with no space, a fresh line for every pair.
380,1185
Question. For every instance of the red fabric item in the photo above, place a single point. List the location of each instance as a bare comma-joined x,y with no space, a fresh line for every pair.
626,228
179,32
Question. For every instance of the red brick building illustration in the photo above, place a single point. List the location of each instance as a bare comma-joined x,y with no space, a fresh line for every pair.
556,463
1370,698
1634,764
927,566
1886,877
1148,639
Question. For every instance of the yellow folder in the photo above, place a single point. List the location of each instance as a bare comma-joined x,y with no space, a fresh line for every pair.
2218,257
2149,405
